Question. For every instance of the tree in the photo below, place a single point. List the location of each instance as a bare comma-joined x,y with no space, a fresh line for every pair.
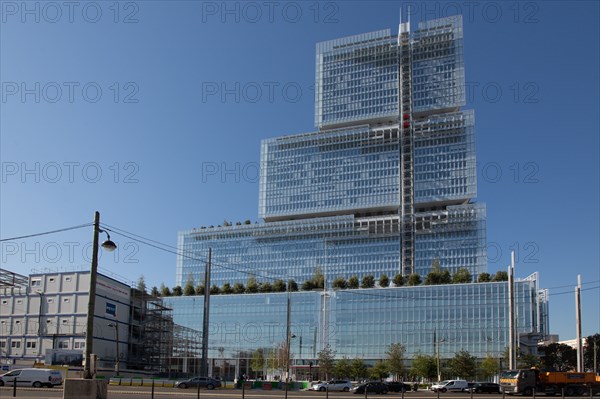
141,284
489,367
199,289
265,287
437,274
340,283
308,285
238,288
326,363
588,352
462,275
424,366
529,360
164,290
257,363
343,368
279,286
188,289
463,365
214,290
398,280
559,357
414,279
368,281
353,282
318,278
177,291
358,368
226,289
395,360
384,280
155,292
292,285
484,278
500,276
379,371
251,285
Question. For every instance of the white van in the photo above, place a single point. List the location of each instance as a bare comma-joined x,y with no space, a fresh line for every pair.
450,385
32,378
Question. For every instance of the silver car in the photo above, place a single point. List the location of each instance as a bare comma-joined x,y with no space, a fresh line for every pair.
333,385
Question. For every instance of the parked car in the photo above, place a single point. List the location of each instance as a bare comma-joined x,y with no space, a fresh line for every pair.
373,386
485,387
333,385
203,382
397,386
450,385
32,377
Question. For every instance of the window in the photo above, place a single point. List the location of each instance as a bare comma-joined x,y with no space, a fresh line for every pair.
67,278
2,344
66,299
19,301
15,344
79,345
4,301
51,279
50,300
31,344
36,283
63,345
65,321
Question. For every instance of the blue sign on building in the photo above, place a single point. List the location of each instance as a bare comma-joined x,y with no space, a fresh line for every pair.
111,309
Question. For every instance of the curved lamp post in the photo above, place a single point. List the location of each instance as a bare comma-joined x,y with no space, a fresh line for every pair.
117,357
110,246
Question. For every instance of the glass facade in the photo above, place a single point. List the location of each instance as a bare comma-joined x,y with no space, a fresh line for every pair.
364,322
340,246
385,186
345,170
357,79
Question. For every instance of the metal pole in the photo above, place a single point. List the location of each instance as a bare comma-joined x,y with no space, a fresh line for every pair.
14,387
511,316
89,334
117,347
578,324
152,397
205,316
287,343
437,354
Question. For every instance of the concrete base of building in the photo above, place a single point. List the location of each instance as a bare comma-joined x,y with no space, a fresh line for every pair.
76,388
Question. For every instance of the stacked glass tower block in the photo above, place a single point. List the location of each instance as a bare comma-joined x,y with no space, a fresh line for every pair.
386,185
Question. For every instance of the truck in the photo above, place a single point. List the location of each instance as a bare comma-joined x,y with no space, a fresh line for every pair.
528,381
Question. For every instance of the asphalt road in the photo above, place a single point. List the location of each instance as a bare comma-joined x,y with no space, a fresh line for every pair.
116,392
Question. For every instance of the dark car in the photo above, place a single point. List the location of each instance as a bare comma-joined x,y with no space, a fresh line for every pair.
485,387
203,382
373,386
396,386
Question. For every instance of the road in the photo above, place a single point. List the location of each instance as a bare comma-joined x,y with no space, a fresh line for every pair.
116,392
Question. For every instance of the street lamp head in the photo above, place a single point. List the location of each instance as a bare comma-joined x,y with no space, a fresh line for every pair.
109,245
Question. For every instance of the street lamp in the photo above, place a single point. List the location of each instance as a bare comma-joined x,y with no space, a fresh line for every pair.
437,354
117,357
110,246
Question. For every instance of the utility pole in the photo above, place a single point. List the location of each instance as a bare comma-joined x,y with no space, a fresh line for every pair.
89,335
578,324
205,317
512,361
288,335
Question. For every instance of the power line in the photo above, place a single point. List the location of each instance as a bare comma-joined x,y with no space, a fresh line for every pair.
46,232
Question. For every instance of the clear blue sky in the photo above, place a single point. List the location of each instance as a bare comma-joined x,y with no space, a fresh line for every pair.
189,88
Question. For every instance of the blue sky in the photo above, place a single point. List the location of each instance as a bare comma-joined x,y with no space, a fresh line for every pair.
151,112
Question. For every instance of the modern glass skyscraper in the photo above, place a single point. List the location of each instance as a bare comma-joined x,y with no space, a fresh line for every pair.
385,186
